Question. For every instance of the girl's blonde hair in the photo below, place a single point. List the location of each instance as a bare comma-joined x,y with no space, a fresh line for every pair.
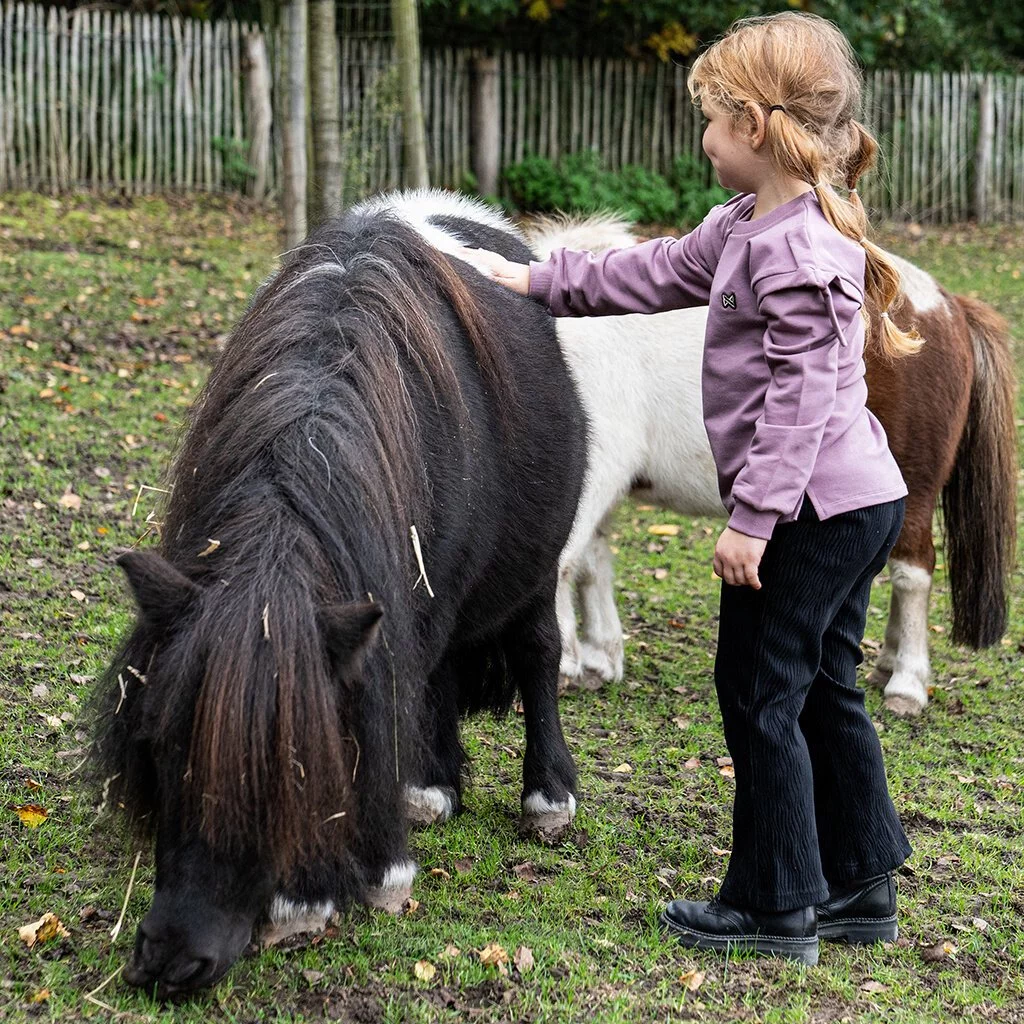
804,64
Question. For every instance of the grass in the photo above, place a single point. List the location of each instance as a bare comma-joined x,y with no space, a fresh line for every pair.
108,318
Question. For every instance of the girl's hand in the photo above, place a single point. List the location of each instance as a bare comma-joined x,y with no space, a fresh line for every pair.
737,557
512,275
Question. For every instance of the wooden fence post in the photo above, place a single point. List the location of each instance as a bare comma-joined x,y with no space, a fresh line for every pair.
983,159
485,124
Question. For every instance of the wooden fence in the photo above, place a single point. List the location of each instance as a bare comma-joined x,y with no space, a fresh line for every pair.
139,103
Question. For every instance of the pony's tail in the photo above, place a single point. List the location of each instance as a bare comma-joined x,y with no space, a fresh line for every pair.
979,500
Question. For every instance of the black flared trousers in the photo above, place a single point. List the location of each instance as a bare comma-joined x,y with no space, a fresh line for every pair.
812,805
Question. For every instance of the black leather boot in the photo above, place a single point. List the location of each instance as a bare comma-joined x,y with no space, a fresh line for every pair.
721,926
860,913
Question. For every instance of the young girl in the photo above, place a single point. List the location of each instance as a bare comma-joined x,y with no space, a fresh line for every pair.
815,499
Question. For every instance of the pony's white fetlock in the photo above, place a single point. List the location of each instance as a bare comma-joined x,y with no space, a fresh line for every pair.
429,805
546,820
905,654
287,918
394,889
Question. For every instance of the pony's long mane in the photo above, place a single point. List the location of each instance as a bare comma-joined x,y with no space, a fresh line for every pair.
302,461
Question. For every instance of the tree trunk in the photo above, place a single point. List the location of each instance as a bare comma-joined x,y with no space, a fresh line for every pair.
260,111
326,198
294,127
407,49
486,125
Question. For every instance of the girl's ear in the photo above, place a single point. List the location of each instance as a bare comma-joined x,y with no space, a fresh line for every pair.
753,124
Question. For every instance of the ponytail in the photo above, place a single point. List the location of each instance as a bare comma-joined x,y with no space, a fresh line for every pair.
798,153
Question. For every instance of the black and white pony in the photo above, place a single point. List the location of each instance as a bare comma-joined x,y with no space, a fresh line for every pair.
361,544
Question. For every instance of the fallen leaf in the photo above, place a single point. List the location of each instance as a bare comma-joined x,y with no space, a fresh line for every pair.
719,852
524,959
727,771
463,866
424,970
32,815
661,574
440,873
36,563
980,923
46,928
492,955
723,761
78,595
692,763
70,500
134,243
313,976
623,769
84,546
526,871
692,980
210,548
40,691
664,530
873,986
39,997
451,951
939,951
680,722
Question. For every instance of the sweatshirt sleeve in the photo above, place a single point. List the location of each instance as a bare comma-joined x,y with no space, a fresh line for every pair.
664,273
801,347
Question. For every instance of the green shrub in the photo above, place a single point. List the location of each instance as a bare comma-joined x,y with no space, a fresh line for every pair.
580,183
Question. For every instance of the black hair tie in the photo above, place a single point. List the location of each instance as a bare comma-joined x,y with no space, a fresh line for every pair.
776,107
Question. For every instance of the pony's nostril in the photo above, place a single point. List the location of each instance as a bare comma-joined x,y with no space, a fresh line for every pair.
188,972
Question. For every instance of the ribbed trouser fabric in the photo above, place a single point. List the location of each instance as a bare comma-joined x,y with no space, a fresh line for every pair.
812,806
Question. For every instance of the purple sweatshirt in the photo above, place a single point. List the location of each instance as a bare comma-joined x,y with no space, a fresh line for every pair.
783,377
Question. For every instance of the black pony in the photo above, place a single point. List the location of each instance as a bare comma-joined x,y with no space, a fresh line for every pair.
361,544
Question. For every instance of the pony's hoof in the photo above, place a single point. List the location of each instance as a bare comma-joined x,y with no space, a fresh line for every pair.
544,821
429,805
394,891
568,682
903,706
879,677
591,681
603,662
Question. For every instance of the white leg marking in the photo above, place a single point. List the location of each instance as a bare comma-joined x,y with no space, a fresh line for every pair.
288,918
906,692
602,648
429,804
886,660
395,888
569,667
538,803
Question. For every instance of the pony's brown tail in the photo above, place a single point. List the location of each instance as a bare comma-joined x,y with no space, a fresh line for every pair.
979,501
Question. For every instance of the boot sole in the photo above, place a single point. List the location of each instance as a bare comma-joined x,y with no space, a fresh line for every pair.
803,950
859,931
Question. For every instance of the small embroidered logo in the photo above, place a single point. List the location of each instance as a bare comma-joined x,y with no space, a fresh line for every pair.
728,300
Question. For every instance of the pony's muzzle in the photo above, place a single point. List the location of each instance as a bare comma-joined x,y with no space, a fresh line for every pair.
168,961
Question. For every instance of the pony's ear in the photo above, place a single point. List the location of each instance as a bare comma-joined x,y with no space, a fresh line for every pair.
162,593
350,631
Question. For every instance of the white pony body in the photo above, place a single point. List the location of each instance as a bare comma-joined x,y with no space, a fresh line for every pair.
639,379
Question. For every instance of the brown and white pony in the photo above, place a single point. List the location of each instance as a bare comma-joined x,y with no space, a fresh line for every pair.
948,413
